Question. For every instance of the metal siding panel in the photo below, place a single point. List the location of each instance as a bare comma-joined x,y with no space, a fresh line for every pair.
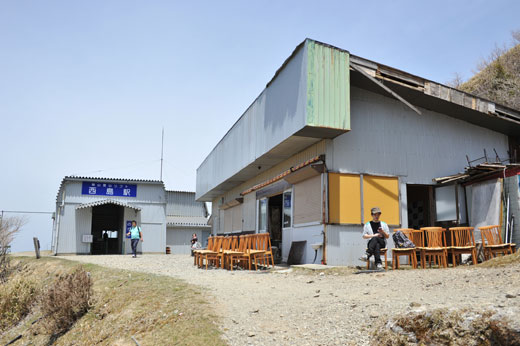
389,139
237,218
154,237
182,203
67,232
249,212
328,85
83,226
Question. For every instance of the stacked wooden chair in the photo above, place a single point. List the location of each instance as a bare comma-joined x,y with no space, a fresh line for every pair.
197,253
435,247
492,243
244,250
462,242
409,252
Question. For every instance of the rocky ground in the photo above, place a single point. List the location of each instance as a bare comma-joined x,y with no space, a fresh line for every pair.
295,307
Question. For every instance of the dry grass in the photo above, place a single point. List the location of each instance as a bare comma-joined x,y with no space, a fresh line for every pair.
445,327
156,310
65,301
502,261
16,299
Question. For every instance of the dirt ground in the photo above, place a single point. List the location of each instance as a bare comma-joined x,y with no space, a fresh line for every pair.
295,307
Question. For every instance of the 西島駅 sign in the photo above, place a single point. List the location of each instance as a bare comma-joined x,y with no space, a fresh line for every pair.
108,189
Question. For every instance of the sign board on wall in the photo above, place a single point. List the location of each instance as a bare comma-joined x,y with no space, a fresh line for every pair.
108,189
87,238
128,226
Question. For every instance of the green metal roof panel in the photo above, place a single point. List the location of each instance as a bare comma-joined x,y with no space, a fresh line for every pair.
328,86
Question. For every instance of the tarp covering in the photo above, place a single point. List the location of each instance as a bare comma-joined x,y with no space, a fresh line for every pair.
485,204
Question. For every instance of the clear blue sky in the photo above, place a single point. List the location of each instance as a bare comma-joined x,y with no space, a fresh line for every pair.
86,86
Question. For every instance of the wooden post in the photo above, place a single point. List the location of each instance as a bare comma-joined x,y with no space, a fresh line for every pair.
36,247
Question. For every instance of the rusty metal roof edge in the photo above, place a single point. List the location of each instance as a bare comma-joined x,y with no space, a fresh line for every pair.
379,65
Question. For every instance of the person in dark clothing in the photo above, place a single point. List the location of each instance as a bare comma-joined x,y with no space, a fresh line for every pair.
376,232
194,241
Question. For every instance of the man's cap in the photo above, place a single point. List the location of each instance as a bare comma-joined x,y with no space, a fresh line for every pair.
375,210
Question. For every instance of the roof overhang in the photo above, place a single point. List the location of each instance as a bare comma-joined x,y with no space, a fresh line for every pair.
307,100
104,202
436,97
187,222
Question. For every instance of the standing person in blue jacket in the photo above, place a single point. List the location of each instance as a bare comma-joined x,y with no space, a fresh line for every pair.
376,232
135,235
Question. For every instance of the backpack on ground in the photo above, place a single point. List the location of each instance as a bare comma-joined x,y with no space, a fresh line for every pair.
402,241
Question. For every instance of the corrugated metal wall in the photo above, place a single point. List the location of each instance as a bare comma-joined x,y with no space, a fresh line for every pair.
388,138
183,203
328,84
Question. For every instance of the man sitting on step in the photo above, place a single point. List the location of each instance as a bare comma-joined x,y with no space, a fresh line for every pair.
376,231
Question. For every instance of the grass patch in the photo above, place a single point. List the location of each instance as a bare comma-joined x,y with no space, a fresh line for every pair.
17,296
156,310
502,261
445,327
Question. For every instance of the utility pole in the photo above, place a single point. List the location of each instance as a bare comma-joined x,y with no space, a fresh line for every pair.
162,151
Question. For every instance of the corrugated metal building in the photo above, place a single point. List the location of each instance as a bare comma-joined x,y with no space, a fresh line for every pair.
93,215
334,134
185,216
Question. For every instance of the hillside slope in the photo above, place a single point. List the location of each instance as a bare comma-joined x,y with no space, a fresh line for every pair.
498,80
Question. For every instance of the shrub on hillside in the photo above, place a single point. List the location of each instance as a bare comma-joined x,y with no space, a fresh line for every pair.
445,327
66,300
16,299
9,227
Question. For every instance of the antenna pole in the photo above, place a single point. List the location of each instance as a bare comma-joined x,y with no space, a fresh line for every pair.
162,151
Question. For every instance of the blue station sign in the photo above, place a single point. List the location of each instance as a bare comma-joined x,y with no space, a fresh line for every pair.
108,189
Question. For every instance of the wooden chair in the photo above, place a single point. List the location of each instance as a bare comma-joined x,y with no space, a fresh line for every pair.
492,243
462,242
233,247
211,254
435,246
249,252
410,252
196,253
256,250
239,256
382,252
218,256
268,252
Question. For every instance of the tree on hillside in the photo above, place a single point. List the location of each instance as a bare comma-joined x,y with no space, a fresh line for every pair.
9,227
497,77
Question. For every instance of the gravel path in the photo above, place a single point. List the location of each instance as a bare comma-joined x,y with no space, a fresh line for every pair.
294,308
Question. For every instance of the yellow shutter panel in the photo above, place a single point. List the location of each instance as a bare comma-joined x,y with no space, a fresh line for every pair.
344,198
382,192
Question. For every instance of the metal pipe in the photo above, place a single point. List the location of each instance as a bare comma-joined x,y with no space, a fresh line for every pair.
58,218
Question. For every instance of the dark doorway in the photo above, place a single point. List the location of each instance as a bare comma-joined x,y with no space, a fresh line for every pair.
274,226
107,221
420,204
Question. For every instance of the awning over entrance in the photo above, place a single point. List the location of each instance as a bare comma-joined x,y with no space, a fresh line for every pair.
107,201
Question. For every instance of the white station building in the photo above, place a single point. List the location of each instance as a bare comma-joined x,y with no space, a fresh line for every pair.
93,215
